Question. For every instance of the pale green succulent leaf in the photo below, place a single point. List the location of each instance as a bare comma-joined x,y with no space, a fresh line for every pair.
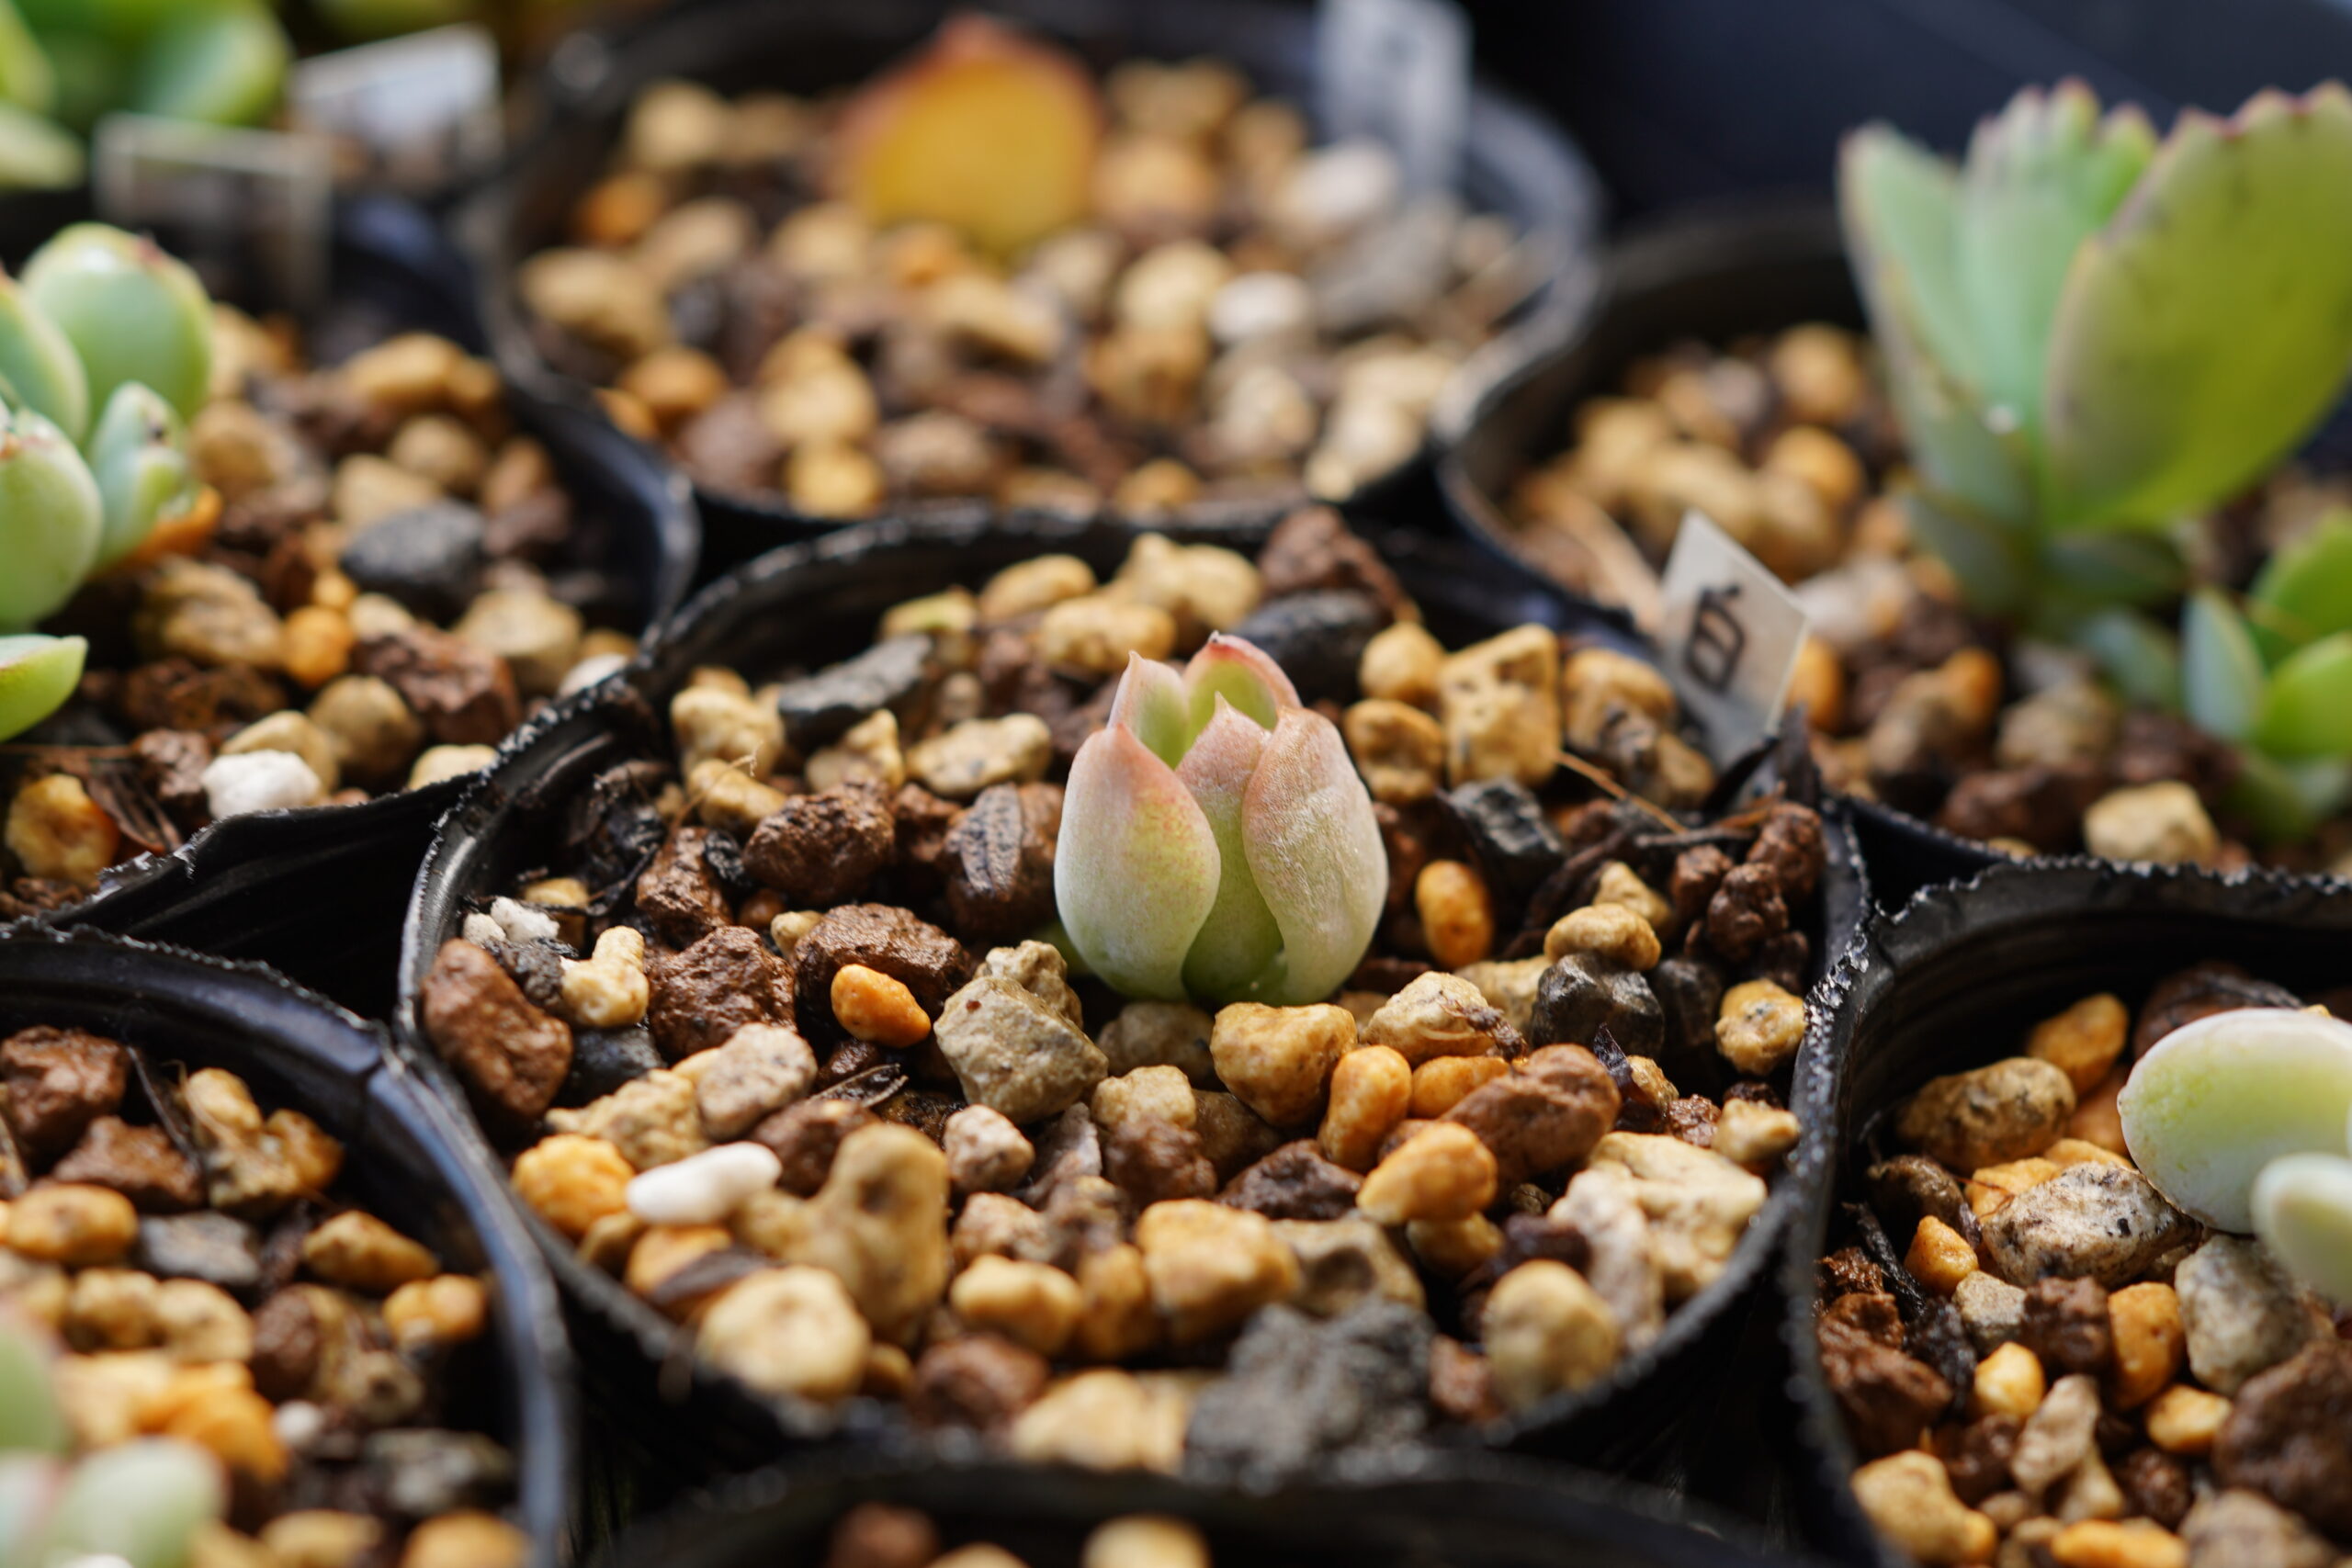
2039,178
139,1501
1240,945
2286,802
2220,672
2306,712
1151,701
1135,867
2140,657
50,519
37,674
2208,328
30,1418
1316,854
131,312
26,77
223,64
2114,569
2304,590
1991,561
1899,204
2302,1212
138,455
39,365
1240,673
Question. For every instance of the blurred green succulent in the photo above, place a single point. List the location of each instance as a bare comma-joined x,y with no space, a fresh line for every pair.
102,322
2091,338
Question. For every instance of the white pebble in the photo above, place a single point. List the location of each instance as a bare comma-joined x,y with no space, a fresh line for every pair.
481,930
704,1188
523,924
1260,304
299,1424
259,781
590,671
1336,190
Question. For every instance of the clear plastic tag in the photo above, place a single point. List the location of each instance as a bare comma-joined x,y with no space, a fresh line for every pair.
411,113
242,207
1397,70
1730,631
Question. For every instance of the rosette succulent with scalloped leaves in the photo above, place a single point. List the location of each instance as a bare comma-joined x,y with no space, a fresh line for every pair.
2093,337
1216,841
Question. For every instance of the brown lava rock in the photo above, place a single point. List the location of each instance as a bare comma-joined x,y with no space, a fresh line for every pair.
882,937
820,849
512,1056
704,994
58,1081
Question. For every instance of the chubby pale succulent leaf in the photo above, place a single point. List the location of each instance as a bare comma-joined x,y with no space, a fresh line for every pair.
1238,673
2039,178
1316,853
1151,701
30,1418
136,452
131,312
138,1501
1239,947
49,518
2304,590
1900,207
2140,657
2113,569
1135,865
2286,802
2306,710
2221,672
37,674
2302,1212
2208,327
40,365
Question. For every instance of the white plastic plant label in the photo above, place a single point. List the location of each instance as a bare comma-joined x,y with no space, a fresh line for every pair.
254,205
1730,632
1397,70
410,112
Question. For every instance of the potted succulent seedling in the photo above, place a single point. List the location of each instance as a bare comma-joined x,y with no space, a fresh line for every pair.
2093,338
1042,838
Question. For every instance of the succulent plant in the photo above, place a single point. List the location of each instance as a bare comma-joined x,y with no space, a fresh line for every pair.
2091,335
2243,1120
67,512
1216,839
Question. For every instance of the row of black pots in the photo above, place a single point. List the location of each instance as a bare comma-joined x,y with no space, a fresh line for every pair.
1515,163
318,892
409,1158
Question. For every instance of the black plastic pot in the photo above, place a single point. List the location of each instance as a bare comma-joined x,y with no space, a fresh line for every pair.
810,603
1454,1511
409,1160
317,892
1955,981
1515,163
1714,274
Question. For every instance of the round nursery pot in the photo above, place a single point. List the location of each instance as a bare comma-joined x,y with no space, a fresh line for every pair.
407,1159
1955,982
1724,271
806,606
1515,163
315,892
1459,1511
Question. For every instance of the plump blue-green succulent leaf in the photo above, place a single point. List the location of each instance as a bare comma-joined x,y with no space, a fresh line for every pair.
37,674
25,78
2140,657
2208,327
49,516
131,312
1900,208
1994,568
39,363
223,64
138,455
2040,177
2221,671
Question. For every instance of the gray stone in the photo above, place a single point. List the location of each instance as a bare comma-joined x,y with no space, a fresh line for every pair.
2092,1221
1013,1053
1584,993
2238,1529
604,1059
213,1247
428,558
2241,1312
1299,1394
819,710
424,1472
1345,1262
1992,1308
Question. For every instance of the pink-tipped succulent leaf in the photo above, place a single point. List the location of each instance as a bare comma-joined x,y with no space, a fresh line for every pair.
1216,841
